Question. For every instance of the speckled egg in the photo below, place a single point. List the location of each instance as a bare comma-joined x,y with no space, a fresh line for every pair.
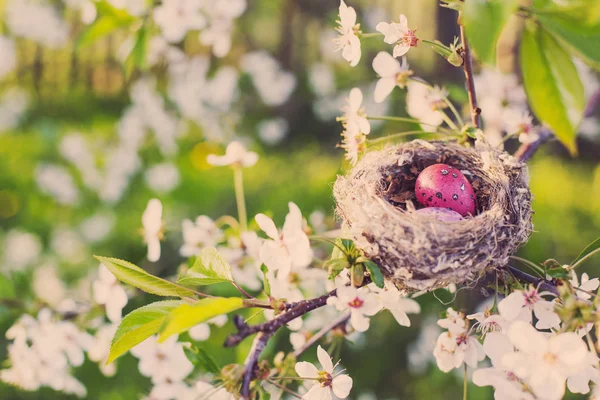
443,186
442,214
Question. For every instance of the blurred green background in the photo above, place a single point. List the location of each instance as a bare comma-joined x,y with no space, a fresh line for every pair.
86,93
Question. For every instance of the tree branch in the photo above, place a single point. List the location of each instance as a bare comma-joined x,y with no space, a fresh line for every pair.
315,338
295,310
260,342
468,69
540,283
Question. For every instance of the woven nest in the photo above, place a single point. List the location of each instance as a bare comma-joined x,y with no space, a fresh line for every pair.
376,203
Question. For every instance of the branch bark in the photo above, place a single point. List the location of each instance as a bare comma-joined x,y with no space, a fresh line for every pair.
540,283
468,69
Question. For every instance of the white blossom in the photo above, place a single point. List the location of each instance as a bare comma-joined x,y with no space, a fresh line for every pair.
391,74
399,35
163,177
348,41
162,362
108,292
354,118
153,228
360,302
8,56
520,303
20,249
585,285
287,248
235,155
176,17
425,103
324,383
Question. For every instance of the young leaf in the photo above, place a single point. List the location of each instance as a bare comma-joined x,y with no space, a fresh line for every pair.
187,316
483,21
139,325
202,359
137,57
375,273
267,285
594,246
552,84
209,268
135,276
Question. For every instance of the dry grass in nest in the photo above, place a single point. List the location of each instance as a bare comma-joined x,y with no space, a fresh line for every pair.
376,203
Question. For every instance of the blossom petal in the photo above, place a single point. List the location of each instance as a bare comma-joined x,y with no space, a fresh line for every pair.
383,88
341,386
152,217
153,249
526,338
359,322
267,225
511,305
306,370
400,50
325,360
347,15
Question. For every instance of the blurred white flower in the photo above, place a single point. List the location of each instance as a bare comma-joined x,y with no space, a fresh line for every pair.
69,247
354,118
586,285
353,145
20,249
87,9
323,383
74,148
235,155
218,33
321,79
520,303
391,74
97,227
203,389
48,286
348,41
133,7
36,21
176,17
162,362
201,332
545,361
56,181
426,103
198,234
153,228
109,293
162,178
360,302
8,56
273,84
399,35
288,248
13,105
272,131
99,349
243,256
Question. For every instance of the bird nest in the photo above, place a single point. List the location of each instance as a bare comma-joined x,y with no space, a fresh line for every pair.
376,203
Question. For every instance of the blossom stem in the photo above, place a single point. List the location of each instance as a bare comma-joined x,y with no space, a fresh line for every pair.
253,303
408,133
238,179
468,69
446,101
448,121
370,35
395,119
530,264
465,384
315,338
591,343
288,391
242,291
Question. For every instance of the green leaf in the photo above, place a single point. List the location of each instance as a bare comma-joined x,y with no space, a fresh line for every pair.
209,268
375,272
592,247
202,359
7,288
483,21
266,283
135,276
139,325
557,273
578,33
187,316
100,28
137,57
552,83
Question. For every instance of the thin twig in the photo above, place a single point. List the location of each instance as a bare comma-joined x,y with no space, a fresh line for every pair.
242,291
468,69
315,338
288,391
